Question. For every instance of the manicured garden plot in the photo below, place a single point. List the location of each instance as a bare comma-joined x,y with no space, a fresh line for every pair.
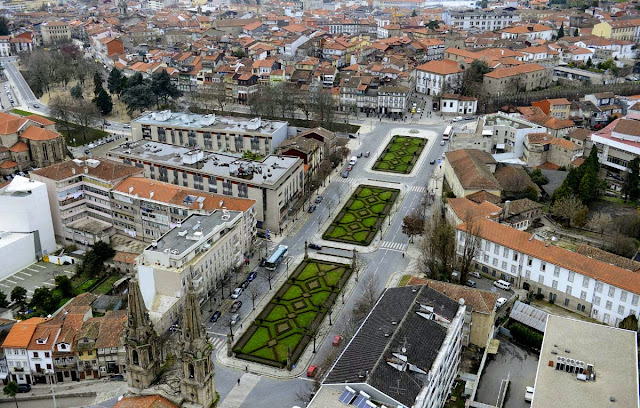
362,216
295,311
400,155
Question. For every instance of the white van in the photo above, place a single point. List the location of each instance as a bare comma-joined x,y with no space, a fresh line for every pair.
353,160
502,284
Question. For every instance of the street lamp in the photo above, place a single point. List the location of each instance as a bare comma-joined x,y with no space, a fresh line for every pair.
231,329
330,317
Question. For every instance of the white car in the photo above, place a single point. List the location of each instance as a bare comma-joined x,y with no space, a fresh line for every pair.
126,126
91,146
457,119
475,275
500,302
528,395
236,293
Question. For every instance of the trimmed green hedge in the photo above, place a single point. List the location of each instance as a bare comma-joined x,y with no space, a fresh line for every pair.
401,154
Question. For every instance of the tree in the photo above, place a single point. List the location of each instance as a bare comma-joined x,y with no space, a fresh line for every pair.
629,323
162,87
61,108
43,301
138,98
433,24
97,83
3,300
576,32
589,62
104,103
238,53
270,275
4,26
473,77
19,297
63,283
631,186
254,294
136,79
622,245
114,81
471,241
412,225
539,178
437,249
414,13
76,91
600,222
10,390
561,31
84,114
568,208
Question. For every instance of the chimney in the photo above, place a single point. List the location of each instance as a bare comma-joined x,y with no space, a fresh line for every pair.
507,207
130,189
86,170
151,194
73,170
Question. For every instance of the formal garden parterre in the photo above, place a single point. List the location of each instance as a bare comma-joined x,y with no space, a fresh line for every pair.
400,155
362,216
291,318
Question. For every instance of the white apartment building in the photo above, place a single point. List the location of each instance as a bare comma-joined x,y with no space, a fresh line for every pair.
274,183
79,198
479,19
41,350
458,104
5,45
405,354
618,143
210,132
392,99
26,232
507,132
528,32
576,282
146,209
203,249
15,348
438,77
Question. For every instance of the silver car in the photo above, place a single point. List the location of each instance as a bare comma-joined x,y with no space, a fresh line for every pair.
234,319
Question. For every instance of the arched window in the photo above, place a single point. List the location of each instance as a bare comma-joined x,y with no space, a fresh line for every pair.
150,355
134,357
191,370
45,153
53,152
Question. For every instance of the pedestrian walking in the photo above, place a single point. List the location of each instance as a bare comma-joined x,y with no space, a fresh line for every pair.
238,380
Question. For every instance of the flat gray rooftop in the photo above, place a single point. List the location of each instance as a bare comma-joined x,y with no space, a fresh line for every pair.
611,351
210,122
191,232
266,172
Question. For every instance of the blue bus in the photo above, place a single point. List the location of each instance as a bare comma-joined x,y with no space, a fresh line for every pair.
276,258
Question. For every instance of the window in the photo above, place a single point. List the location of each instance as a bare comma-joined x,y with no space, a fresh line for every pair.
599,286
46,354
213,185
504,265
612,291
571,275
486,258
495,261
505,252
191,135
608,305
207,140
527,274
621,309
541,279
634,300
35,354
568,290
496,249
585,282
556,271
543,266
583,295
513,269
623,296
487,245
554,284
596,300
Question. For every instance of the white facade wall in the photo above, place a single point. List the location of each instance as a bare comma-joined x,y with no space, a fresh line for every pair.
44,359
18,364
17,250
429,83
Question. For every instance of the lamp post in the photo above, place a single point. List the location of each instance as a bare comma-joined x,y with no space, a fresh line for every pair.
330,317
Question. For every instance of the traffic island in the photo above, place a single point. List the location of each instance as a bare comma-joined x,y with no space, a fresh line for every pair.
281,332
362,216
400,155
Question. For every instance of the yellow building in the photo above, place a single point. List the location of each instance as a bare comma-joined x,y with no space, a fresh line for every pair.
628,30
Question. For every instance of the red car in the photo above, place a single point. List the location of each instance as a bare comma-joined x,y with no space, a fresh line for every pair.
311,372
337,340
349,168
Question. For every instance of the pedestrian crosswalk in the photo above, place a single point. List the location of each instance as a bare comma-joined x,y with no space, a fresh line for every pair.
217,341
393,246
350,181
419,189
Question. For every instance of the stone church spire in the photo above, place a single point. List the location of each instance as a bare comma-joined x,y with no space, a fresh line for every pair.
198,371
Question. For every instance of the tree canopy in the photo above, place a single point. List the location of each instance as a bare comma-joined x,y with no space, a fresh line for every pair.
104,102
583,181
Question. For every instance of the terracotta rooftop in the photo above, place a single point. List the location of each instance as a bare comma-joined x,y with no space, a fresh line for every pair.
150,401
20,334
470,166
481,301
442,67
481,196
465,208
38,133
517,70
104,170
111,329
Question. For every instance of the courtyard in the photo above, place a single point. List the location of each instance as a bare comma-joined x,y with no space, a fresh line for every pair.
291,319
362,216
400,155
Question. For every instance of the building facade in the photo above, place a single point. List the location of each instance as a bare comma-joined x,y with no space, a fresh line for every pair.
480,19
55,31
438,77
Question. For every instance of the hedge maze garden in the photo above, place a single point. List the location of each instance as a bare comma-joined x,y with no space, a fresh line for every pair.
289,321
362,216
400,155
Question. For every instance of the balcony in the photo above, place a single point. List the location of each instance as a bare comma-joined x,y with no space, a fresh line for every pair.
18,369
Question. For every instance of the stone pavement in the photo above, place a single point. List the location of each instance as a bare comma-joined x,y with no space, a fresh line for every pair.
240,392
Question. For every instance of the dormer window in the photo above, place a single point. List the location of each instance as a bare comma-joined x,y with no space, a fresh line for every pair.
41,341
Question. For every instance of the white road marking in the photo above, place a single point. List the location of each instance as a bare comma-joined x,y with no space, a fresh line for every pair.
24,273
10,281
17,277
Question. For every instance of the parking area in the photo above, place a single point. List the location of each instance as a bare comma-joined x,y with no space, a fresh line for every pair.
512,360
35,276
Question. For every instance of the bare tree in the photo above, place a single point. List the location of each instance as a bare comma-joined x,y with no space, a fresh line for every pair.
437,249
570,208
85,115
412,224
60,107
471,241
254,294
600,222
270,275
303,102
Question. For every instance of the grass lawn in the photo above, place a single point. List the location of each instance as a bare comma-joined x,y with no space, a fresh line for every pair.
362,216
401,154
301,302
106,286
404,280
73,131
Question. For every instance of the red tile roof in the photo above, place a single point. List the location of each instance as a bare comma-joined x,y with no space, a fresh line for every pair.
442,67
20,334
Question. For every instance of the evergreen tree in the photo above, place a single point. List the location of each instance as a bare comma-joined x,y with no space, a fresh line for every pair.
162,87
97,83
589,62
114,81
76,91
4,26
135,80
104,102
576,32
561,31
631,186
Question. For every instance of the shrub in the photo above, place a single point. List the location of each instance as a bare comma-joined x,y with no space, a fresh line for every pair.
524,335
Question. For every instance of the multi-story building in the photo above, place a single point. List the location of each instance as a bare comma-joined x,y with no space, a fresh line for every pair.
586,364
210,132
438,77
5,45
518,78
26,230
557,108
405,354
40,351
617,143
79,198
274,183
529,32
146,209
458,104
110,351
28,141
55,31
628,29
542,148
204,249
392,99
480,19
15,348
585,285
64,360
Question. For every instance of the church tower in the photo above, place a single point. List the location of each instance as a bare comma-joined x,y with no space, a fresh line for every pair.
197,365
141,342
122,8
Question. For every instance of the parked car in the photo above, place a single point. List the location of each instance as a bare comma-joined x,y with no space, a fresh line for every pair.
500,302
315,246
352,136
442,143
345,174
91,146
116,377
359,155
263,262
349,168
261,235
337,340
107,123
475,275
216,315
24,388
35,105
366,154
312,208
244,284
312,370
353,160
469,117
528,394
432,161
235,306
457,119
126,126
236,293
470,283
318,200
234,319
252,276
